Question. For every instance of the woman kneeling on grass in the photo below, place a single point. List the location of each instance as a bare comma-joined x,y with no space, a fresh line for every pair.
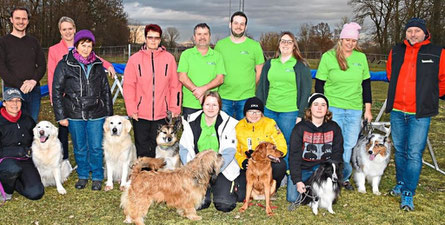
313,141
214,130
81,101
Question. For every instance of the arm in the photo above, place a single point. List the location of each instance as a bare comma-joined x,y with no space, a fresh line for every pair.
175,90
367,99
40,63
442,75
259,62
304,90
388,65
52,63
277,137
240,154
337,146
106,93
130,86
295,154
107,65
186,146
58,92
5,73
258,70
319,86
261,89
228,146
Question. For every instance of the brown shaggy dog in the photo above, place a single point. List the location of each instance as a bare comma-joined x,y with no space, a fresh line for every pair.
259,175
183,188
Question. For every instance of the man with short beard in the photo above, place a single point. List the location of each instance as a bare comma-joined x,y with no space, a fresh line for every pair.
22,62
243,60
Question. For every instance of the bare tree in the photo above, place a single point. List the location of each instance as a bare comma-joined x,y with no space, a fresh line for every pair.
304,38
269,41
321,36
170,37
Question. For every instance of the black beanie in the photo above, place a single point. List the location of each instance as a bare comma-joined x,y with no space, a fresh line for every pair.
315,96
417,22
253,103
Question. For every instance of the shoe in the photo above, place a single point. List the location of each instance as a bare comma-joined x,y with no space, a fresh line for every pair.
397,190
97,185
81,183
407,201
348,186
8,197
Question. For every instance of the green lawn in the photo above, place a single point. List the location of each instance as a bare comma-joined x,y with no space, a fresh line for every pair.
88,207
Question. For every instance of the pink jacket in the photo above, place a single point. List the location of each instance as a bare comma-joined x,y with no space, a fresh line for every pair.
151,85
55,54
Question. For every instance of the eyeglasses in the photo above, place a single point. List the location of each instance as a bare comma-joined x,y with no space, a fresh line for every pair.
17,101
254,112
153,38
286,42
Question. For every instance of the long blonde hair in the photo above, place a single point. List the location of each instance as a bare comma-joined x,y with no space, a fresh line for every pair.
341,59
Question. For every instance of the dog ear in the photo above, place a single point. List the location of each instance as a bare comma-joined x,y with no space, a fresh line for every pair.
260,152
106,127
127,125
178,124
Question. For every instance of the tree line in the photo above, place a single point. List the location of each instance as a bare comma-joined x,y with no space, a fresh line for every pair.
106,18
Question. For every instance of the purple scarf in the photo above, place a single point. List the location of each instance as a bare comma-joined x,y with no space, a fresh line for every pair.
90,59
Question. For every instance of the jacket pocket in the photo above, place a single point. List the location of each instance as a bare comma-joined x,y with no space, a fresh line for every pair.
89,103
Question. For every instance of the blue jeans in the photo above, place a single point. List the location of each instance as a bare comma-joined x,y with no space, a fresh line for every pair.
31,103
409,137
292,192
87,141
349,121
234,108
286,122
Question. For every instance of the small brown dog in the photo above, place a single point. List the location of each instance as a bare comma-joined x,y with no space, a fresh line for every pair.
183,188
259,175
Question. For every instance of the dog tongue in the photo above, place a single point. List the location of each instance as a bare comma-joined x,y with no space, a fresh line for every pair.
371,157
42,139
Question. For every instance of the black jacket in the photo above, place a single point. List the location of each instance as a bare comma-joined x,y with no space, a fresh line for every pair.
16,138
310,146
77,97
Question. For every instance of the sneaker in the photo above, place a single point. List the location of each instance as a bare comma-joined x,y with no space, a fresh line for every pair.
397,190
8,197
407,201
348,186
97,185
81,183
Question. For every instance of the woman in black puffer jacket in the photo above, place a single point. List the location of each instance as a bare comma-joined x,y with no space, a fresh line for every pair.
81,101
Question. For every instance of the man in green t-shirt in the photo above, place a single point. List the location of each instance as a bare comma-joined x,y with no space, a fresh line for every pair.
200,69
243,60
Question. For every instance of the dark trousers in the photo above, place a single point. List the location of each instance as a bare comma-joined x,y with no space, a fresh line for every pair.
187,111
21,176
278,172
224,198
63,137
145,132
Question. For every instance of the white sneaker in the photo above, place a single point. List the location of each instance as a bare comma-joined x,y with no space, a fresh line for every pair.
8,197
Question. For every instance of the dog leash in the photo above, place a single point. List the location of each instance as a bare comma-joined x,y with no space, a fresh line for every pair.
301,199
2,191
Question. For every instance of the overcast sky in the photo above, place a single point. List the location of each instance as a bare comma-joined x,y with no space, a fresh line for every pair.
263,15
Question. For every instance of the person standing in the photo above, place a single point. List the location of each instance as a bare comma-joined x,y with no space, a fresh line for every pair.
343,76
200,69
243,61
151,88
416,74
22,62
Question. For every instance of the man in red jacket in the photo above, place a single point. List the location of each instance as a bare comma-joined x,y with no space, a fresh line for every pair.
416,73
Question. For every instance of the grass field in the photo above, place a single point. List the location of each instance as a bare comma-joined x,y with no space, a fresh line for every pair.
88,207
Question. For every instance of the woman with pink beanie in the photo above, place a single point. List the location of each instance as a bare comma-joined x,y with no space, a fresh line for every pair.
343,76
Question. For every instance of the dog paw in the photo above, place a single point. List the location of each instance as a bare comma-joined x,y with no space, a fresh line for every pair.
127,220
331,211
362,190
194,217
377,192
107,188
123,187
61,191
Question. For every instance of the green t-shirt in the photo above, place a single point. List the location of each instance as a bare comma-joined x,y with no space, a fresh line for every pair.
240,61
208,138
201,69
282,86
344,88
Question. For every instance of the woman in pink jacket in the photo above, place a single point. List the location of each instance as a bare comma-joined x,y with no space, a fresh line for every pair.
151,88
67,29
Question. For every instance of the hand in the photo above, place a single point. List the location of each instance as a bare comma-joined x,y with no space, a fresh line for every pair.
64,122
301,187
198,92
135,116
245,164
298,120
249,153
368,116
111,71
27,86
175,115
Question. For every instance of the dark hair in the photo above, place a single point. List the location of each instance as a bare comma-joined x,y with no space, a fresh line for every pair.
153,27
295,52
212,94
201,25
239,13
81,41
20,8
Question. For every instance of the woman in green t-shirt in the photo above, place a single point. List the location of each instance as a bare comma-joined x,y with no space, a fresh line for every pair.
343,76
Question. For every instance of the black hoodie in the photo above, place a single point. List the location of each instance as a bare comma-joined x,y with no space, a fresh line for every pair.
310,145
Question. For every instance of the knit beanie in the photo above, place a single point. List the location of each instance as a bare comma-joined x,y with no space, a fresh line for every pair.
350,30
314,96
253,103
417,22
81,34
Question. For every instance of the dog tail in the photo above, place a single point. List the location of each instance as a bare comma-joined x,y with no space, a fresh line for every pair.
147,162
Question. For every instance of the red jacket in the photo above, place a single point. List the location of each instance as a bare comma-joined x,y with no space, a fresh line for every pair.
151,85
55,54
405,97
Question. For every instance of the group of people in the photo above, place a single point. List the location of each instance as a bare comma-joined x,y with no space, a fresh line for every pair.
230,99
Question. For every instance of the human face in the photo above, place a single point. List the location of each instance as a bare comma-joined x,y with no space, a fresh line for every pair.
348,44
13,106
67,31
202,37
19,20
286,45
210,107
253,115
238,26
319,108
153,39
85,48
415,35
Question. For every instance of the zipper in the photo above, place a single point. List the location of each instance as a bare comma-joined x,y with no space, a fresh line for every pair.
140,72
139,103
153,70
166,69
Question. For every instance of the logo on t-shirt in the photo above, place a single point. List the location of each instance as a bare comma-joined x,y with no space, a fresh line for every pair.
211,63
357,64
289,70
243,52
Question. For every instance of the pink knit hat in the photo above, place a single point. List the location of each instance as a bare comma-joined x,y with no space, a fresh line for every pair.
350,30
